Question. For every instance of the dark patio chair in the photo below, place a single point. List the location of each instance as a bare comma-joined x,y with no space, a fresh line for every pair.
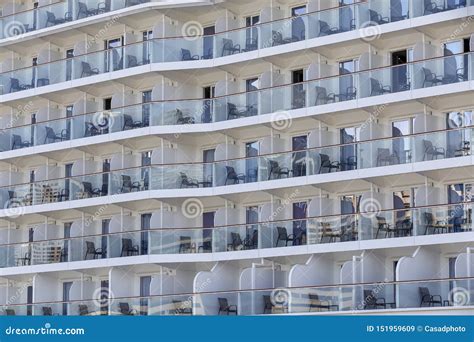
84,12
283,236
15,85
125,310
128,123
25,260
83,310
267,304
187,182
134,2
229,48
251,44
63,195
428,299
383,226
10,312
432,7
277,171
117,60
331,234
327,164
236,243
251,241
349,163
326,30
403,227
372,302
185,244
19,143
234,112
316,303
233,176
104,6
183,120
430,78
277,39
454,4
51,19
51,136
452,73
206,246
128,185
376,88
438,227
349,94
322,96
87,70
384,157
96,253
377,18
132,61
187,56
182,308
298,97
225,307
396,11
129,249
91,130
94,192
47,311
432,152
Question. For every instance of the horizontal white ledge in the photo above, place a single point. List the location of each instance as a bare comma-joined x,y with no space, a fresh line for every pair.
314,111
313,43
277,252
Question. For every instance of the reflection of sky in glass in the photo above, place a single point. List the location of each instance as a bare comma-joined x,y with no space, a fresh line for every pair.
459,119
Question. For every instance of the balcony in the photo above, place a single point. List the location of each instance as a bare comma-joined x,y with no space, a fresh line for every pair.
129,178
91,60
408,296
125,240
87,122
271,33
17,24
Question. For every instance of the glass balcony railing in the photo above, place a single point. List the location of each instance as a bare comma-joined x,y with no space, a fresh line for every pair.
362,226
315,24
275,33
363,84
422,295
16,25
445,144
